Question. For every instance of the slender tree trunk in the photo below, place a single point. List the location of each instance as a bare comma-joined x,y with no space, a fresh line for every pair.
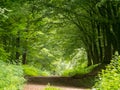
24,57
89,57
100,38
95,54
17,48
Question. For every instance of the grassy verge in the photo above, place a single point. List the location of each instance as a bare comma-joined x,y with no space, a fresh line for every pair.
11,77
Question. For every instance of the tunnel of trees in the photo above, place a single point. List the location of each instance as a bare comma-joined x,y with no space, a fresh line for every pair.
28,27
70,39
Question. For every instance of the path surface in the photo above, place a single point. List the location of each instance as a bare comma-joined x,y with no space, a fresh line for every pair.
41,87
65,83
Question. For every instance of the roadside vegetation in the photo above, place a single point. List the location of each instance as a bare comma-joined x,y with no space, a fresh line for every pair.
11,76
71,38
109,79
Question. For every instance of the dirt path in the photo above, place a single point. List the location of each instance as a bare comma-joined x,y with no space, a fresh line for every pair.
65,83
41,87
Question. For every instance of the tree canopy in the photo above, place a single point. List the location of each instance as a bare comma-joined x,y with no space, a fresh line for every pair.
47,30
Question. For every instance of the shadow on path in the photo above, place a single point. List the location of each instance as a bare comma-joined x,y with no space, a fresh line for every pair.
62,81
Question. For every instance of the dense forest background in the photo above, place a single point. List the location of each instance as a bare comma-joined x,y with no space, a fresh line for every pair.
59,37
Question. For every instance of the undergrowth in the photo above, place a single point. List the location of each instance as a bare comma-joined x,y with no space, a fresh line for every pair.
11,77
109,79
78,70
33,71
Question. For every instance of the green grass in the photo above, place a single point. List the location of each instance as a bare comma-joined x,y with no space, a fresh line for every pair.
49,87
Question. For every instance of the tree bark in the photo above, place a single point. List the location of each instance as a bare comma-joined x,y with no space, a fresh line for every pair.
24,57
17,49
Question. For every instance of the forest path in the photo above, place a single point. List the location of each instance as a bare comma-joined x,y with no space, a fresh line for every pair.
64,83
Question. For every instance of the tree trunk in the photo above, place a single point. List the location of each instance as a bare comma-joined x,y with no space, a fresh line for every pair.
17,49
24,57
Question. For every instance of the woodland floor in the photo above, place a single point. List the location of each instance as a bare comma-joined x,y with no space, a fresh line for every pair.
64,83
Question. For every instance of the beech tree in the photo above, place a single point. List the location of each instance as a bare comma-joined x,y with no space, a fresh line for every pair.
97,21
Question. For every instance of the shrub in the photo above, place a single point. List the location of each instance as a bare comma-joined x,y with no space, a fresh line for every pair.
30,70
11,77
3,55
78,70
68,72
33,71
78,65
109,79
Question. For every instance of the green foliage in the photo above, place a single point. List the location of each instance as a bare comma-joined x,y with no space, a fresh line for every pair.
3,55
84,70
94,23
109,79
78,70
3,12
30,70
68,72
33,71
48,33
49,87
78,64
11,77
